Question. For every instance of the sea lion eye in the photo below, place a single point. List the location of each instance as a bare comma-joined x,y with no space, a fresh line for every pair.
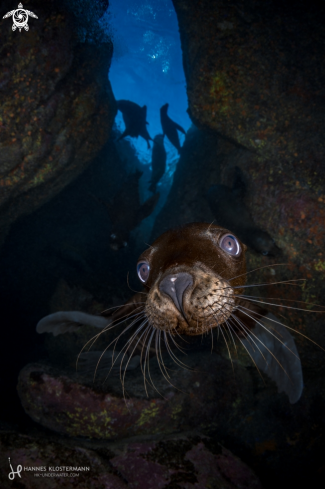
143,270
230,245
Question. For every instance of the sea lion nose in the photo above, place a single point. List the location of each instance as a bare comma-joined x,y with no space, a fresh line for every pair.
175,285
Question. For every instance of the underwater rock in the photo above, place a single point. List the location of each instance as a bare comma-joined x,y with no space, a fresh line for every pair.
255,74
57,460
188,460
230,212
57,108
266,94
74,405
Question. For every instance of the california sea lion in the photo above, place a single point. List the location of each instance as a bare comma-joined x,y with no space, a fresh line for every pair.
126,211
158,161
134,118
170,128
194,278
230,211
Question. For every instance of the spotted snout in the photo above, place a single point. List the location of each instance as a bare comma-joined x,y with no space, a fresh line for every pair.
189,301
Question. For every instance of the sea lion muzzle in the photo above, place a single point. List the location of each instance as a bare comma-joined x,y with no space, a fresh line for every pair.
190,302
187,273
174,286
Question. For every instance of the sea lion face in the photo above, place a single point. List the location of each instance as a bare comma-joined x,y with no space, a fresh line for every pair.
193,275
118,239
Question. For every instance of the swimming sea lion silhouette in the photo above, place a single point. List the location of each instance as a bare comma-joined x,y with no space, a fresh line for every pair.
231,212
194,281
170,127
126,211
134,118
158,161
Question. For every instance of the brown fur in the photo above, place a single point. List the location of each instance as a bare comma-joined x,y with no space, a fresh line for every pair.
207,303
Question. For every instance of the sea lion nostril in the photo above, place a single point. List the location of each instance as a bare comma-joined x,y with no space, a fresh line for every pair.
174,286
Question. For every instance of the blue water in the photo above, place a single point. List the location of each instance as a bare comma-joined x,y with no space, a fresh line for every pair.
147,66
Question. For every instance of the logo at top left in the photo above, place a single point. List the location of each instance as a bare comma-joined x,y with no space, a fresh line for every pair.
20,18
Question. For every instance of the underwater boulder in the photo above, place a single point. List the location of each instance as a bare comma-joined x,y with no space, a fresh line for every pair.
57,107
188,460
255,82
75,404
265,92
47,463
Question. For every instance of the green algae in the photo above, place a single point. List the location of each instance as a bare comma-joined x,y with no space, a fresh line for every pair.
320,266
219,91
148,414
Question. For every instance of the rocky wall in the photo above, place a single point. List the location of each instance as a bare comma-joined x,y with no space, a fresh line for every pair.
56,107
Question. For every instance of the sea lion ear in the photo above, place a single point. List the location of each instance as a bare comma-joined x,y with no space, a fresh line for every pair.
275,353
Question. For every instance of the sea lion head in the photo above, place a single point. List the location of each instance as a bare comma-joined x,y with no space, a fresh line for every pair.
159,139
193,275
118,239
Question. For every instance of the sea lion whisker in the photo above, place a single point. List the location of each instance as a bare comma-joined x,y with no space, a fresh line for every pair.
288,282
232,364
145,363
220,328
233,340
210,226
266,329
279,305
127,344
211,339
291,329
129,340
260,268
95,338
141,365
111,326
161,353
167,376
281,299
148,366
115,343
176,344
173,356
116,307
135,346
181,337
239,339
249,335
159,356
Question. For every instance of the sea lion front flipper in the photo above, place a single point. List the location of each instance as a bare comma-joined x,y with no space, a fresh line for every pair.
62,322
179,128
274,352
